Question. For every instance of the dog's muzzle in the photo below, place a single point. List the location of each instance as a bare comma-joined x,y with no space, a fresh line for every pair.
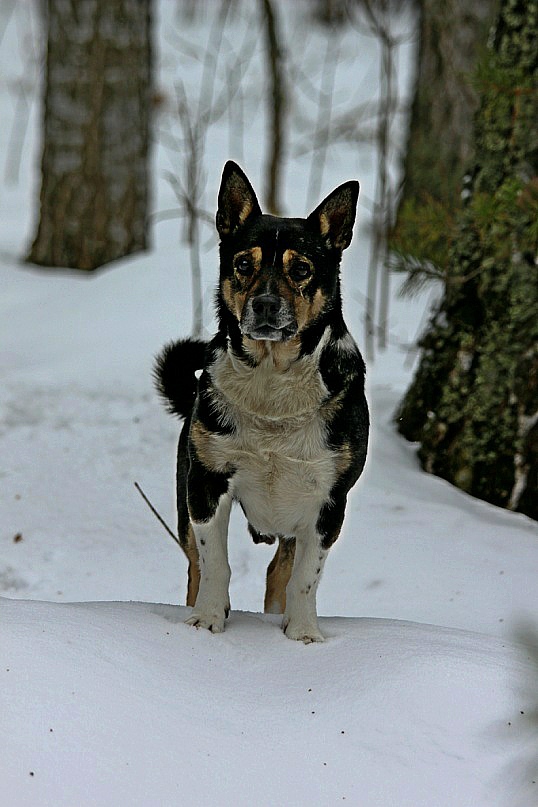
268,316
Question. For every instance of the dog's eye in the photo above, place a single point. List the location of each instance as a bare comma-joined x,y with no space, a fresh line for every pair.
244,266
300,270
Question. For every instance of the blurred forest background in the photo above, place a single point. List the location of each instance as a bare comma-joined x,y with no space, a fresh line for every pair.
457,208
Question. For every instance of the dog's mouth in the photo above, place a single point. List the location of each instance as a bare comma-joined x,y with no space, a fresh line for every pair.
268,317
270,333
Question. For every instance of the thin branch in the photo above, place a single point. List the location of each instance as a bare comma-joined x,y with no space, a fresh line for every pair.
157,515
323,123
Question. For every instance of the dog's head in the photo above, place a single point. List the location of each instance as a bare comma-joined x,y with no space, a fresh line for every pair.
280,275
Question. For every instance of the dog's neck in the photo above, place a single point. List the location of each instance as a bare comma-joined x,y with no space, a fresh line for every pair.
280,355
265,391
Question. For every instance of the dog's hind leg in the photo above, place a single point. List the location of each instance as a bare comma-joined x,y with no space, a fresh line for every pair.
278,575
185,532
191,551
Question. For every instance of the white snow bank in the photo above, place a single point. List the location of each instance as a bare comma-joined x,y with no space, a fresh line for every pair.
129,706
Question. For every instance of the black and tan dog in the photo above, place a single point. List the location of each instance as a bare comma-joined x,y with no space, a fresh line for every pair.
277,420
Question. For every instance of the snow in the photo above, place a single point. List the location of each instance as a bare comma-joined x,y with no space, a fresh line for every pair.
130,706
425,691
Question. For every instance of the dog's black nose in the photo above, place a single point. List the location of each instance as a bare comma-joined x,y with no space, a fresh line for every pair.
266,306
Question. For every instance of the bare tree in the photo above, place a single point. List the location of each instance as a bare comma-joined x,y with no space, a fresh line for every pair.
320,139
378,272
368,125
195,116
222,64
276,107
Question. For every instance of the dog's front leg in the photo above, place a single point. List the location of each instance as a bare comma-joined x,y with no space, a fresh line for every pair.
212,602
300,617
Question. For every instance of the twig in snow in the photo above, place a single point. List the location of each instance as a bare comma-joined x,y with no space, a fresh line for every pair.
156,514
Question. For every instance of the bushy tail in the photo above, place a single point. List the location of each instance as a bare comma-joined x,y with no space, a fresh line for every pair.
174,374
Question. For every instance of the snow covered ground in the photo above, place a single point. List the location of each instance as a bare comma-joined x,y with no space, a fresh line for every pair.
426,690
123,704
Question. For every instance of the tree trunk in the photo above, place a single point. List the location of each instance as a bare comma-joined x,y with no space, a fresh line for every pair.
452,36
473,404
94,192
276,108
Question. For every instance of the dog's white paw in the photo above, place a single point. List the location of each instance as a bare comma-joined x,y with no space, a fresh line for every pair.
300,631
213,622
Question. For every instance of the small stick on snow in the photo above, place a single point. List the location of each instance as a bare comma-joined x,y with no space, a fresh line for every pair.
156,514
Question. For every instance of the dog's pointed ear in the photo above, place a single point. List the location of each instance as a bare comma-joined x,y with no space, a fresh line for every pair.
237,200
335,216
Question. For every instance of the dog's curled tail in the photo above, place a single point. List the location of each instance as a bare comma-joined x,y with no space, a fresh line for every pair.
174,374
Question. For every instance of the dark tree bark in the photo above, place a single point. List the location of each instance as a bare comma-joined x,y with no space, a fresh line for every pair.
452,36
276,108
94,192
473,404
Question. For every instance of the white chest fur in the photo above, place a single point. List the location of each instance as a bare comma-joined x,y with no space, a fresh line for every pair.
283,469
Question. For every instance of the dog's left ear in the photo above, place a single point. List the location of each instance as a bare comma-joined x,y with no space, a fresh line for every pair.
335,216
237,200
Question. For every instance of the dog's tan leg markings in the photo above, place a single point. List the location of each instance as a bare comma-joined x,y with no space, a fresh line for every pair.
300,617
212,602
278,575
191,551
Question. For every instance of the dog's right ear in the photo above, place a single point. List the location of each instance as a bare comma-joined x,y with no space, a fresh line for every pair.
237,200
335,216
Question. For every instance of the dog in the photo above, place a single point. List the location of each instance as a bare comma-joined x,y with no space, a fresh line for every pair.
275,415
